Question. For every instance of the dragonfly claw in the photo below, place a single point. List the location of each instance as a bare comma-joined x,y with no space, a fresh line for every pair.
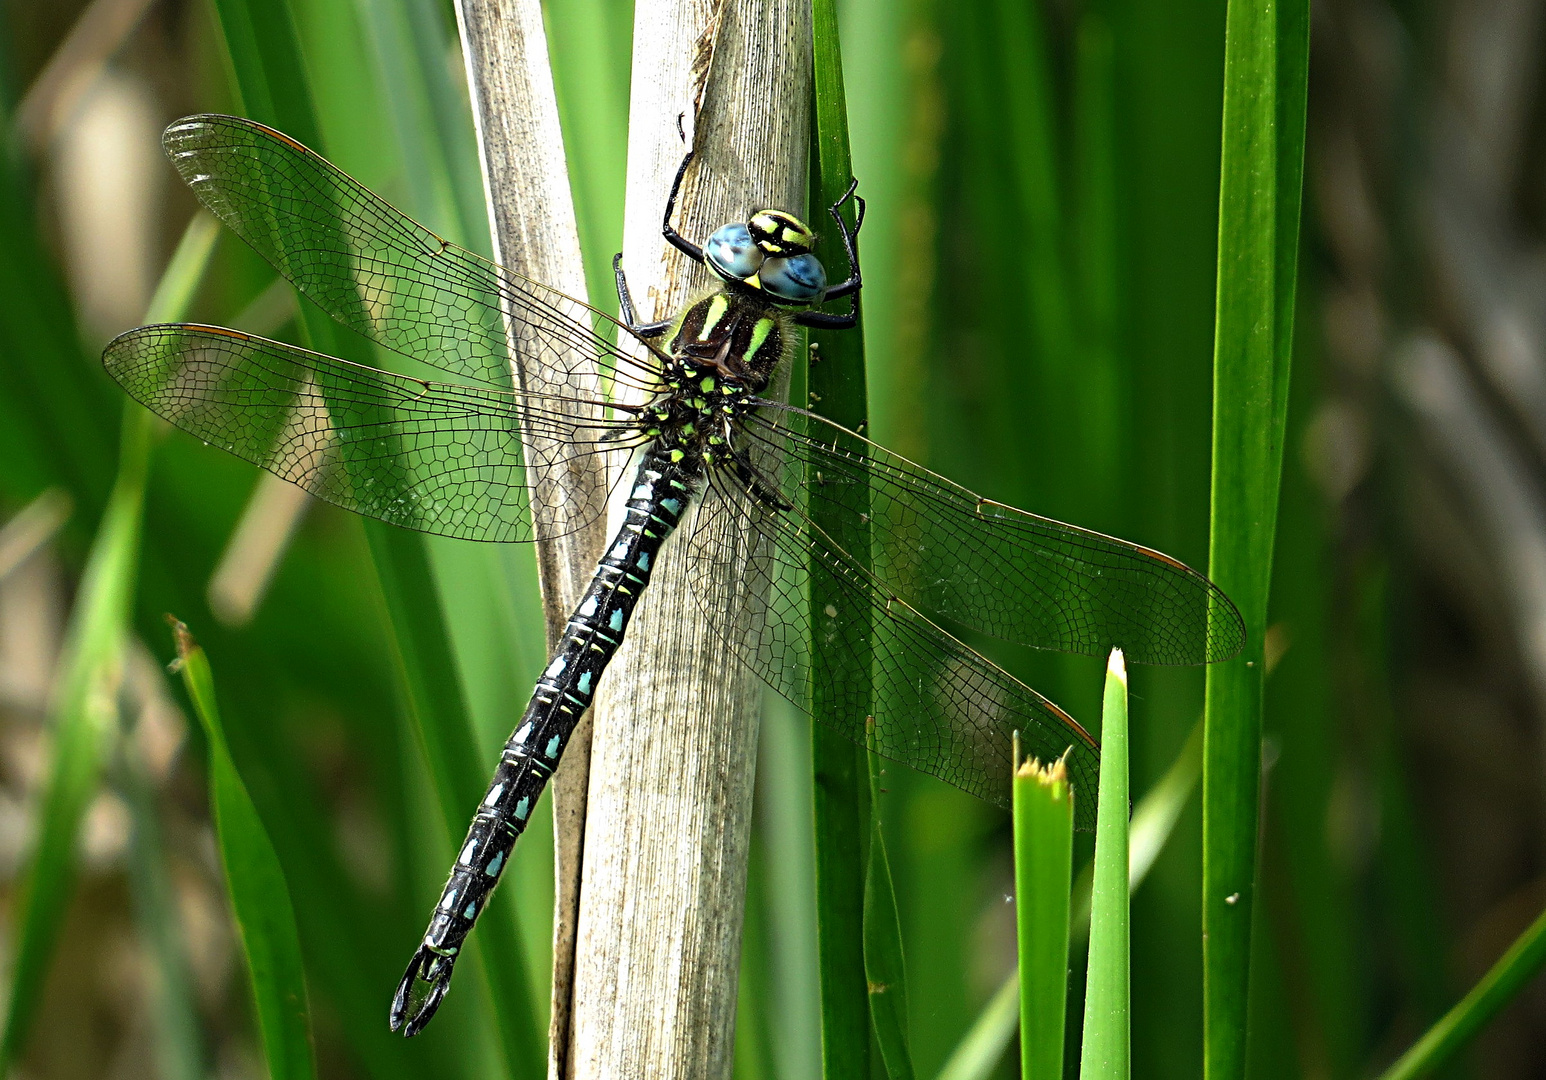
421,991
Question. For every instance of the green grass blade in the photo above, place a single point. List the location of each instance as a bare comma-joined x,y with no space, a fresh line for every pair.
267,66
185,272
837,382
430,118
754,1023
427,666
84,723
84,714
266,53
1023,106
1504,982
884,970
1107,1046
838,811
1168,62
255,882
1044,852
471,610
1153,823
1266,50
1094,213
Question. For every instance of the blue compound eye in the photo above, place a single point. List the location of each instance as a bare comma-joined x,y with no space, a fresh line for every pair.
800,279
732,253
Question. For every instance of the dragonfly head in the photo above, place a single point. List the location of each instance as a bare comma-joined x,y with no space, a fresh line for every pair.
771,253
780,235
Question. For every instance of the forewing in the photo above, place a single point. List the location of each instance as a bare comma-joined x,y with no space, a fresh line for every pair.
379,272
933,703
437,457
992,568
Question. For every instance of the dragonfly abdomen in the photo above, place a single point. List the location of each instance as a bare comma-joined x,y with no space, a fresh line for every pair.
662,489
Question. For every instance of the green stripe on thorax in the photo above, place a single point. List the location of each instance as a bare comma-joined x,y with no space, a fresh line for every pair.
760,336
719,303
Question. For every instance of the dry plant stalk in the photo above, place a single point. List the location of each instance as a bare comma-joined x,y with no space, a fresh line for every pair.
669,816
646,972
526,182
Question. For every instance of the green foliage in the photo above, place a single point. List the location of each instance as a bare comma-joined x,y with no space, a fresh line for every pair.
90,678
1265,73
884,970
1106,1050
1044,843
1049,254
267,58
260,899
845,889
1502,984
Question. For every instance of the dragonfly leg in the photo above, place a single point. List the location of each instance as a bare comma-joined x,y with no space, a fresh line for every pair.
822,320
625,305
762,489
674,238
850,241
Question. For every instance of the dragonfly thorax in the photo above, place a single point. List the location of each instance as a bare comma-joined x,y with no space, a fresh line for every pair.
737,338
722,354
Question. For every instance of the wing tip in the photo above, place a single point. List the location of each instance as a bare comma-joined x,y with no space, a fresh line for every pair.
1227,633
198,125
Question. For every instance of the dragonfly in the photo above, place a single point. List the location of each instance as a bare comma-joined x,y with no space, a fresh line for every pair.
535,382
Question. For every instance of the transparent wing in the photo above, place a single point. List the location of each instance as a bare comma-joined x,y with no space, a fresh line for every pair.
990,567
379,272
438,457
933,703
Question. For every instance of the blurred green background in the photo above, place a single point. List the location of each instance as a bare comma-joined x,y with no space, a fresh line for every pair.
1040,274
